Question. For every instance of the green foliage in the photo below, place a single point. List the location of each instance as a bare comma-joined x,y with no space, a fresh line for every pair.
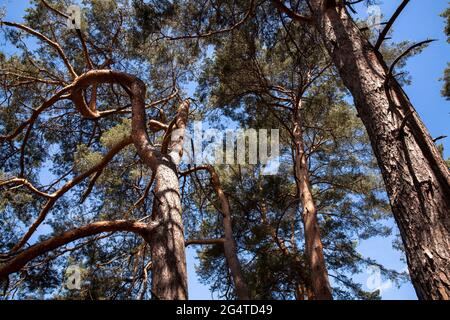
446,79
85,159
241,78
116,134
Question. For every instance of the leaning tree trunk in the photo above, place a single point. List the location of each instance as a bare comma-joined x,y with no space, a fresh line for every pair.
313,244
229,244
416,177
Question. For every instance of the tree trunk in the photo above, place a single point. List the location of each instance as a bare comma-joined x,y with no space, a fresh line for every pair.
313,244
303,281
169,276
416,177
229,244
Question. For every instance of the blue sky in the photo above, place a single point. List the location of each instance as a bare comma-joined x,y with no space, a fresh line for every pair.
418,22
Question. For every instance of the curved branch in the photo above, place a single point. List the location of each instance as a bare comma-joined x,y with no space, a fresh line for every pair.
290,13
21,259
45,39
389,24
26,183
139,134
66,187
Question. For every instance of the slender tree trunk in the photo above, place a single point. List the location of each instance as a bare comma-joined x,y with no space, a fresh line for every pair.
229,244
313,244
416,177
304,282
169,276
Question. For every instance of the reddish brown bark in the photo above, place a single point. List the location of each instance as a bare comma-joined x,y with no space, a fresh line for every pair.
169,275
416,177
320,284
19,260
228,242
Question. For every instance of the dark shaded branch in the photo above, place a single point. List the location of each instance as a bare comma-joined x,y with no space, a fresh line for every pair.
205,241
389,24
47,40
290,13
66,187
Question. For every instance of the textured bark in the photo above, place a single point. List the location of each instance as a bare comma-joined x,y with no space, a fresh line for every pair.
169,275
415,175
313,244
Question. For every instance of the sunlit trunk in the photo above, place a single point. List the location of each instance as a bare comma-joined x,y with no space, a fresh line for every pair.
415,175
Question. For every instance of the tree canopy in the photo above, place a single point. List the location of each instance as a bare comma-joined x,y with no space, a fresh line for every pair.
94,125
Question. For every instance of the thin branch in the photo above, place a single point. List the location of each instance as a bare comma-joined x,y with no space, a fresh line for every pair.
54,9
389,24
45,39
66,187
46,104
214,32
220,241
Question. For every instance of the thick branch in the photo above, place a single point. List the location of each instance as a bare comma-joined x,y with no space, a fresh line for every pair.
22,258
290,13
228,241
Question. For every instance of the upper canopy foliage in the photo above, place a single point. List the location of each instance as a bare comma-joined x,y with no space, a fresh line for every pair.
245,65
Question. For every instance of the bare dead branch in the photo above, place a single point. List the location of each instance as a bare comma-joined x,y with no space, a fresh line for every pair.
389,24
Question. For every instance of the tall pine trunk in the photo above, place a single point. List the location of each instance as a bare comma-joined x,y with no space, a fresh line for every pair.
169,276
415,175
313,244
229,244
